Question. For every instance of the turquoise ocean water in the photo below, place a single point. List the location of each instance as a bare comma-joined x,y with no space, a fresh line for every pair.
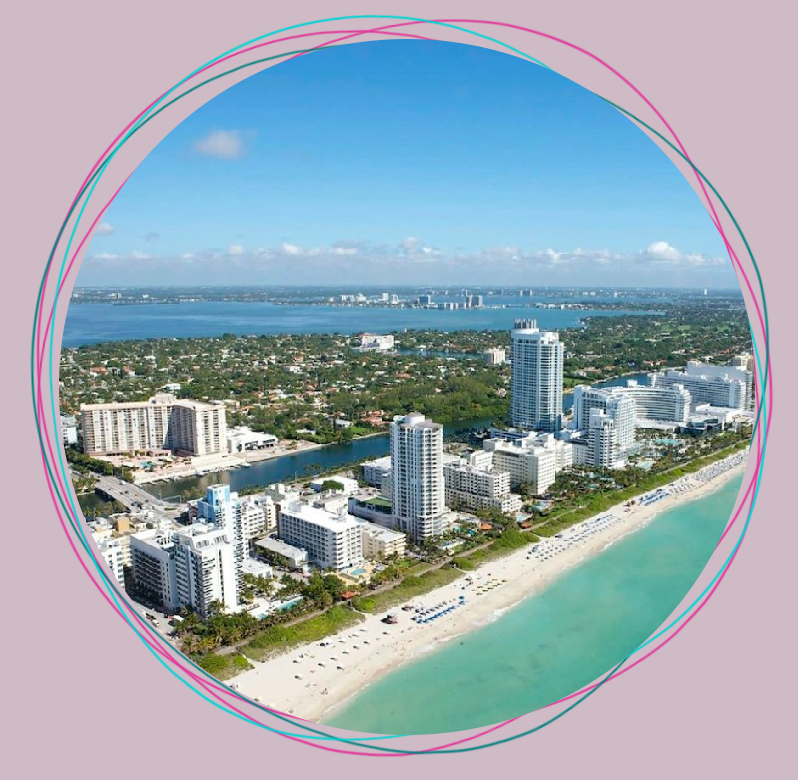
556,641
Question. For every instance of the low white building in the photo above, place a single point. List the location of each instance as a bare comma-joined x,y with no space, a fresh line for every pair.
113,552
293,557
372,341
533,460
380,542
476,484
494,356
375,471
348,485
69,429
332,541
242,439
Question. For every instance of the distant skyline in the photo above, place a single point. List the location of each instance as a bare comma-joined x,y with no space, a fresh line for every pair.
407,162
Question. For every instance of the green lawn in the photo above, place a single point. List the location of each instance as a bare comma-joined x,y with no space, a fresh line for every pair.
277,639
222,667
409,588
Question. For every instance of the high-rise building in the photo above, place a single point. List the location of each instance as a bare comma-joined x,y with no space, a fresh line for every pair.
193,567
206,568
153,560
610,432
746,361
162,423
226,511
537,361
602,440
417,484
197,428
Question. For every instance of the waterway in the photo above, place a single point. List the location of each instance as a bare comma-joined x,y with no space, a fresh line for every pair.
92,323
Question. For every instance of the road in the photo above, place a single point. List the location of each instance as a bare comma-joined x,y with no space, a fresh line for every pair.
134,497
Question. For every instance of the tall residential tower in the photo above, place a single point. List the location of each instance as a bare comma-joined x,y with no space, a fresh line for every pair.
417,484
537,358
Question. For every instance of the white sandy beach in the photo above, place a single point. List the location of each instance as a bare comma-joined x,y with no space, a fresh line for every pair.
310,680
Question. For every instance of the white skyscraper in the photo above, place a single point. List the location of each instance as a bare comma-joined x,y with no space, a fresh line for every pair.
193,567
206,570
226,510
417,484
537,358
611,431
602,446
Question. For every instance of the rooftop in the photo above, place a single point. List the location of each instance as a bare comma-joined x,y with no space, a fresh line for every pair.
320,517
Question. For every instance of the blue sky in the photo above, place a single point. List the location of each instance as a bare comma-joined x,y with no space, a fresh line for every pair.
413,162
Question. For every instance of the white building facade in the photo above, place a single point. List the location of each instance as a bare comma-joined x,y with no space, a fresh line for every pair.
723,386
537,372
162,423
332,541
417,483
533,460
476,484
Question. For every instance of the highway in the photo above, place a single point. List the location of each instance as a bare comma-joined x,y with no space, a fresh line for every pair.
133,497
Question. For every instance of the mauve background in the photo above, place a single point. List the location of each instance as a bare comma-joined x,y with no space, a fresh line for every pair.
82,694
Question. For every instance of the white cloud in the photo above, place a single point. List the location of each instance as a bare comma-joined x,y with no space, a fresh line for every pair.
105,229
223,144
662,250
659,264
290,249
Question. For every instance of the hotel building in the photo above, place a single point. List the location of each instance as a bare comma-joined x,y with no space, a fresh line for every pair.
611,432
206,568
193,568
332,541
162,423
417,483
476,484
380,543
494,356
533,460
537,370
723,386
154,574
